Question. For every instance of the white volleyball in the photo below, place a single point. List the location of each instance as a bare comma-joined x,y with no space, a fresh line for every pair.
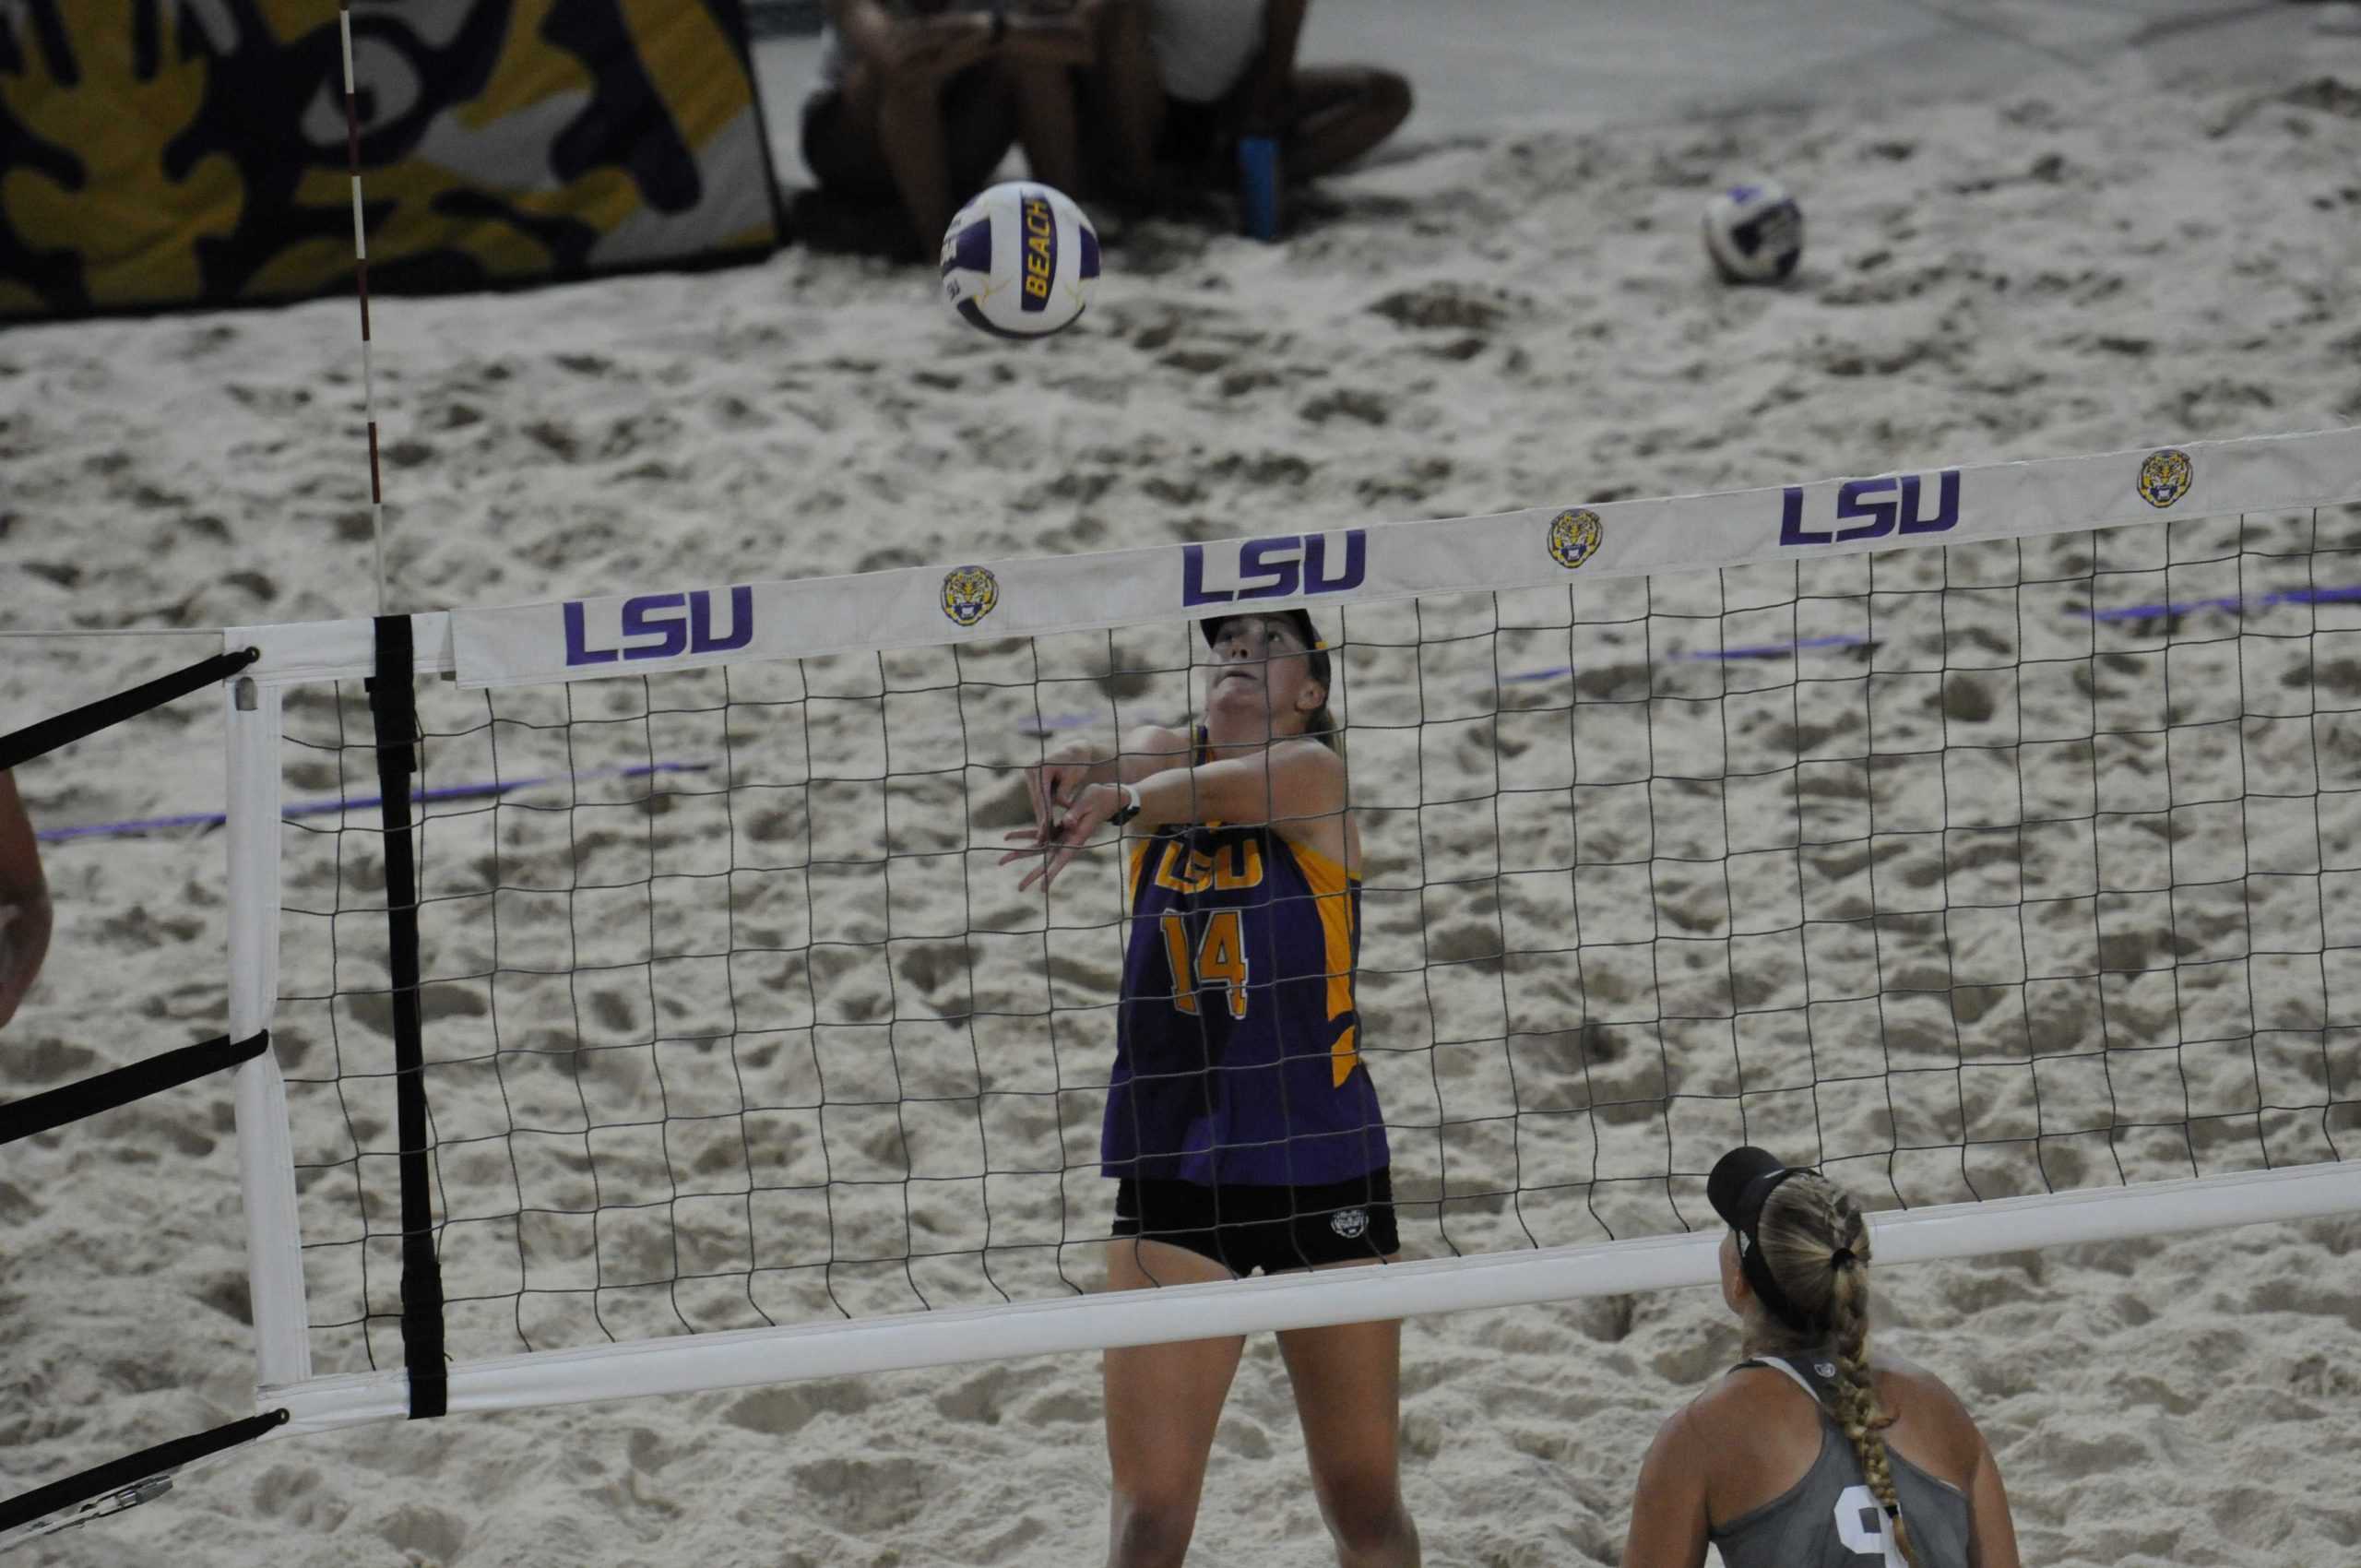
1754,233
1020,261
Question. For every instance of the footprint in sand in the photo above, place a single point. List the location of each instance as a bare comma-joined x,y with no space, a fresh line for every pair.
782,1412
296,1496
869,1496
425,1533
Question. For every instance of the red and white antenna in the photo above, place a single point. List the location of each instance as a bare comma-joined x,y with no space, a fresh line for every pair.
360,281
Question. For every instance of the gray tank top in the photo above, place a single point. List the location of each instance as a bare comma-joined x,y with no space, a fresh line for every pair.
1831,1519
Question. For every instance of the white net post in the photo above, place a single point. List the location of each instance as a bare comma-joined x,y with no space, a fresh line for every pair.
265,1161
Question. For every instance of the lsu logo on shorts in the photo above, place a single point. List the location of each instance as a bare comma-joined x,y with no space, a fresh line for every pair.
970,593
2165,476
1574,537
1040,250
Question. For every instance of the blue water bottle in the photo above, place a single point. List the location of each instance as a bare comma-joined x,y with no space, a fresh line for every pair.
1258,186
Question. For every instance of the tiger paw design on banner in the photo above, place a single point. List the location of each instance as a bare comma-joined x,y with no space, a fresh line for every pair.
193,152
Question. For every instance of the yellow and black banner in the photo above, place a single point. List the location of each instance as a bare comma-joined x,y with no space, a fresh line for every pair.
158,154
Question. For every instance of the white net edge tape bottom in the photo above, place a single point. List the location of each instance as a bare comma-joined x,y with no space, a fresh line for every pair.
752,1357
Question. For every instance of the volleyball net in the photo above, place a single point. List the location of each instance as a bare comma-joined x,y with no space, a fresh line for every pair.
650,1011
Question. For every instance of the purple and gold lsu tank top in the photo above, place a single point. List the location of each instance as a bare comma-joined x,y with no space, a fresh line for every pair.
1237,1041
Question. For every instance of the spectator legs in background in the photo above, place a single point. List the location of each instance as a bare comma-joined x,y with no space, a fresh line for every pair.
1126,103
1338,112
940,142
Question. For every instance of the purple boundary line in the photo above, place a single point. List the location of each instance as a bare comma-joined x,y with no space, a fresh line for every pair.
363,803
2231,604
1722,655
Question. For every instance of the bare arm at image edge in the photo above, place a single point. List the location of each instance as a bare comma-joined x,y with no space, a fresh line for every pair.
24,901
1669,1522
1992,1535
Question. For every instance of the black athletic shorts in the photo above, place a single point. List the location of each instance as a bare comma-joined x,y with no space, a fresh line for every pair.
1271,1228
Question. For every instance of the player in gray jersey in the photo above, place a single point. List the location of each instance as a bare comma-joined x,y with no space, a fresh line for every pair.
1809,1453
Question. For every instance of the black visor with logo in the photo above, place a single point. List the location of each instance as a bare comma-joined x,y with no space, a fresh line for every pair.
1299,618
1742,1182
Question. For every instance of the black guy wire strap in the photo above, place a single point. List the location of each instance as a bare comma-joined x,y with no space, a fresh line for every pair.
34,740
55,1108
392,700
132,1479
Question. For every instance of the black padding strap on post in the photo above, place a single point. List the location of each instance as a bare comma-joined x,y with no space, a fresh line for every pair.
51,734
393,699
118,1475
55,1108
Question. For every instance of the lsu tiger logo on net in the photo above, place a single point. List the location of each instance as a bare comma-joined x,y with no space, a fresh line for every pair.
1574,537
970,593
2165,476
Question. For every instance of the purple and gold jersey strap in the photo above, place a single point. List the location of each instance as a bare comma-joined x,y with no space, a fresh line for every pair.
1334,891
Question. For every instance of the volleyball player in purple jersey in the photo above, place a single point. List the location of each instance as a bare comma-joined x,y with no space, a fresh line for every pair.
1241,1126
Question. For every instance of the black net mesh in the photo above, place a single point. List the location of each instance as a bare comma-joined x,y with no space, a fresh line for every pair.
1964,873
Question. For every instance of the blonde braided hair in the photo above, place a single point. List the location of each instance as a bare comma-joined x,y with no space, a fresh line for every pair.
1805,1226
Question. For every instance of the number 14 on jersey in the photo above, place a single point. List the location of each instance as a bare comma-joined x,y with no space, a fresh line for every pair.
1220,960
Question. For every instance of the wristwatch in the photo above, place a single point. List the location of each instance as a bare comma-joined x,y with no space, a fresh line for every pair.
1129,808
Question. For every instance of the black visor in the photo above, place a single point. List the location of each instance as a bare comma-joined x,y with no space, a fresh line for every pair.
1742,1182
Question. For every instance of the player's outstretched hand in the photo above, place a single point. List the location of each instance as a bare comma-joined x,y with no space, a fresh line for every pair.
1060,836
1055,784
